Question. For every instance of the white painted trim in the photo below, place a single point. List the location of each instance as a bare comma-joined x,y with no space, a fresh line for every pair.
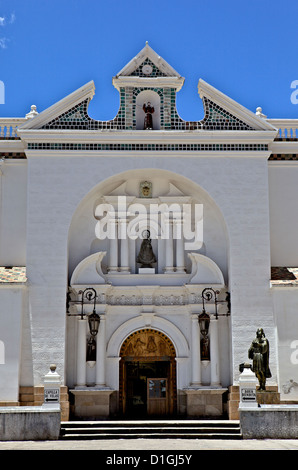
284,147
152,82
150,137
12,145
285,163
143,154
89,270
202,268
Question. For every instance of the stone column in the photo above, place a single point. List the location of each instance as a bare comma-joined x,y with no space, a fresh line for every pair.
195,351
124,253
113,253
169,249
81,352
214,352
100,373
178,235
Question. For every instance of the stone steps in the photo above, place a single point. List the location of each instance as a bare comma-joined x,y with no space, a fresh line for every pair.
172,429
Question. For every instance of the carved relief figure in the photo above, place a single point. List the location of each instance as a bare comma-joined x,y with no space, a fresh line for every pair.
259,353
139,347
151,346
146,189
145,344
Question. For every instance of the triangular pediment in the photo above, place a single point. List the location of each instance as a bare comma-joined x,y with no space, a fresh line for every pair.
222,112
147,63
72,108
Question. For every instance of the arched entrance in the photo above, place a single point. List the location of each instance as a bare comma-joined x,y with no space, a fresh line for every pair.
147,375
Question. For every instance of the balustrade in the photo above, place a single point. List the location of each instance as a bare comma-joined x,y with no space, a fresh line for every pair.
287,128
8,127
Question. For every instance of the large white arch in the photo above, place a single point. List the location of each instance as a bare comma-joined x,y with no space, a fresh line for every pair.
82,240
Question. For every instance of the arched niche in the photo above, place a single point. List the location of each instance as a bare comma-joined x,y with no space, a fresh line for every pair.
153,98
82,241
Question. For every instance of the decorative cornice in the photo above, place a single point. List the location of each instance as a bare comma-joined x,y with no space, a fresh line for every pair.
140,82
236,109
85,92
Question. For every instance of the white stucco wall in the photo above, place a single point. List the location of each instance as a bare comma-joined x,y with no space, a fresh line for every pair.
12,305
13,208
285,301
57,185
283,179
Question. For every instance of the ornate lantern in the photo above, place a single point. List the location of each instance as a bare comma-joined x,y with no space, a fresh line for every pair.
93,321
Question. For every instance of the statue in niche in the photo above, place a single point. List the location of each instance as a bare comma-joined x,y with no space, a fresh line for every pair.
146,256
148,110
259,353
91,350
205,349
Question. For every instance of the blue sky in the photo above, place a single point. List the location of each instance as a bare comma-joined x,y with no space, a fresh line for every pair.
247,50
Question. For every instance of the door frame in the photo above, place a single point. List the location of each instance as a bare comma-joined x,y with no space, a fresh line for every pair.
168,354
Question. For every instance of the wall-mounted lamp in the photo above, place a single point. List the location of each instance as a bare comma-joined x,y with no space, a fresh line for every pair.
88,296
204,322
209,295
93,321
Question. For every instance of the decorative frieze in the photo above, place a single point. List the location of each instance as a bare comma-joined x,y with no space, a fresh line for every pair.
141,147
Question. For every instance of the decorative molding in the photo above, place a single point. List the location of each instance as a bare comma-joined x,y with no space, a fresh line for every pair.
138,323
236,109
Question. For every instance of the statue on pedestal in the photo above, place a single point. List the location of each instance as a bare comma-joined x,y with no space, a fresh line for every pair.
146,256
148,110
259,353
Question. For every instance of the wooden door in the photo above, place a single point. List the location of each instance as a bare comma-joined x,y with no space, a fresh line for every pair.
157,396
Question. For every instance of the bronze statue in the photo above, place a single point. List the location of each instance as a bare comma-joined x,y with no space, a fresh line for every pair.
259,353
148,110
146,256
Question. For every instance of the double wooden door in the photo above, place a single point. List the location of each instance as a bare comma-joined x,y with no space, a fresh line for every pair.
147,381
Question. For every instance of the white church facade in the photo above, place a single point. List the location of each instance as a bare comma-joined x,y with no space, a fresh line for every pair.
141,255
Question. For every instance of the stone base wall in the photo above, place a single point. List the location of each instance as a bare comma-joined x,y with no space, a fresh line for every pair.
202,403
29,423
34,396
91,404
270,397
270,422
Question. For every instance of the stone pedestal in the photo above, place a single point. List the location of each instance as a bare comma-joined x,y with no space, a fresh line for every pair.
248,388
270,397
91,403
204,402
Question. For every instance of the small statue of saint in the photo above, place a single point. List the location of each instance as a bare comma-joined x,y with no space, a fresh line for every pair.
91,350
259,353
146,256
148,110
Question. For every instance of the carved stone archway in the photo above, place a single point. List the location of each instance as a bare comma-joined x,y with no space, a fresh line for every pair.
147,375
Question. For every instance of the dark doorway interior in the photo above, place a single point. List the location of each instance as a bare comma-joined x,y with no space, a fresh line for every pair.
147,389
